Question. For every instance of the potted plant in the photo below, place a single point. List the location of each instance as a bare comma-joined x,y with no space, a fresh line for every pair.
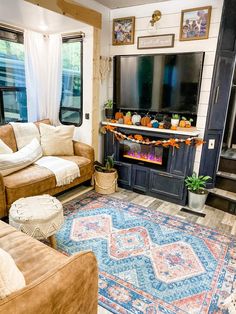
105,176
175,120
108,106
197,194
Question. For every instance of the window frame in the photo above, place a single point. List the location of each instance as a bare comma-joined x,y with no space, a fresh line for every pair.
7,33
71,39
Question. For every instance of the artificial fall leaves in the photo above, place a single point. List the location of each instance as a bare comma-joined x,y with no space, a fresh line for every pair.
137,138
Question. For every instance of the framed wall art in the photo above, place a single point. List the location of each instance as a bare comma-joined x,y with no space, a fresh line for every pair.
195,23
123,31
156,41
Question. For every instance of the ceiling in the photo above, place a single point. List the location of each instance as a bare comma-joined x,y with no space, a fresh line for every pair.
113,4
26,15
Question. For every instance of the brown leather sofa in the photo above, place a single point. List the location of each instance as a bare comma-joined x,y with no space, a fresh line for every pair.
55,283
35,180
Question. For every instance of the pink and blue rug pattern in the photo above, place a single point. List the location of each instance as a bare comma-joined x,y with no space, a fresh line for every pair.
150,262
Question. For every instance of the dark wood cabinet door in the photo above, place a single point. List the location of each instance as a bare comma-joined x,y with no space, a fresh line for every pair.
220,91
140,180
124,174
110,147
180,160
227,35
166,184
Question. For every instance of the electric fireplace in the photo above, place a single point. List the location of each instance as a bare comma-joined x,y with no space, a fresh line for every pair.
149,155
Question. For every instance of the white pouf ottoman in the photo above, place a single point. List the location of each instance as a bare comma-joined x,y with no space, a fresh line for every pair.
38,216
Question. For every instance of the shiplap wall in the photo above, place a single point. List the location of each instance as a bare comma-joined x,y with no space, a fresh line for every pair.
170,23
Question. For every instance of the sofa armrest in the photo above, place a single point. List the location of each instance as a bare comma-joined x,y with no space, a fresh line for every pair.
3,205
84,150
71,288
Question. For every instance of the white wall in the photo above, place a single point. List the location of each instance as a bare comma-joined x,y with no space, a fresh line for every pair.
83,132
170,23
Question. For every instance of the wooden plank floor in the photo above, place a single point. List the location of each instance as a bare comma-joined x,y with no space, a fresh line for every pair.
214,218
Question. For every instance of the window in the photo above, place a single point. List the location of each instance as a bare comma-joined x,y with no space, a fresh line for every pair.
71,111
12,77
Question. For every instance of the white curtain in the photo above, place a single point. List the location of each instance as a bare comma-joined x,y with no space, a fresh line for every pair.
43,74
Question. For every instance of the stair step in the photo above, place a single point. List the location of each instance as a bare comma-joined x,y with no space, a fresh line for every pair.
222,199
227,175
226,181
227,164
231,196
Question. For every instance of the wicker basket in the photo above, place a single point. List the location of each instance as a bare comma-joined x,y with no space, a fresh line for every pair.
105,182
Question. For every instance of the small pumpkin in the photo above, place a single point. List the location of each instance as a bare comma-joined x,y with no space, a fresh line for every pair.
119,115
155,123
188,123
149,125
145,120
182,122
121,121
136,118
173,127
127,118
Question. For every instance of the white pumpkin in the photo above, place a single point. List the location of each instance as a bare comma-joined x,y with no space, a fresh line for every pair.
136,118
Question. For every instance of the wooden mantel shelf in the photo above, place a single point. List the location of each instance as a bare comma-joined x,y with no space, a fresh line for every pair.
180,131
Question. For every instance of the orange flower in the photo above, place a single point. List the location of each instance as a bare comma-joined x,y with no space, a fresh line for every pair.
110,127
173,143
188,142
158,143
199,141
138,137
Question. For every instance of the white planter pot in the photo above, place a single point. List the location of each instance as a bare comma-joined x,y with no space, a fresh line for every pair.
175,122
197,201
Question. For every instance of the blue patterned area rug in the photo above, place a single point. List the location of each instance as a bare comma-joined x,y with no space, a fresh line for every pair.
150,262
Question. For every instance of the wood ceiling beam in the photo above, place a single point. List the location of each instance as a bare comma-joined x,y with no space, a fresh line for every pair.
73,10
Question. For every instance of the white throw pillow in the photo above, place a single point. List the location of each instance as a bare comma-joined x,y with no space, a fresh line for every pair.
11,278
24,157
4,149
57,141
25,133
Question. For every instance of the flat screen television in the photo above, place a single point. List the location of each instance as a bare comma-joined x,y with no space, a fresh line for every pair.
164,83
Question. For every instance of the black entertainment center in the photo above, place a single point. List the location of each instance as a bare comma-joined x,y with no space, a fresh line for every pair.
161,84
159,178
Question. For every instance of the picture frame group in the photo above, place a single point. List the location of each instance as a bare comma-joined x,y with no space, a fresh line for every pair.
194,25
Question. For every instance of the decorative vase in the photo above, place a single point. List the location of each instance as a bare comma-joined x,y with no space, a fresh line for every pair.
175,122
196,201
109,113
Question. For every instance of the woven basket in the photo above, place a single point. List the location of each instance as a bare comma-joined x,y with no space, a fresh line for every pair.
105,182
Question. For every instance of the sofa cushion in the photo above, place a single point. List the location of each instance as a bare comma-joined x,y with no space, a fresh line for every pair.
57,141
35,180
10,163
11,278
4,149
8,137
25,133
32,257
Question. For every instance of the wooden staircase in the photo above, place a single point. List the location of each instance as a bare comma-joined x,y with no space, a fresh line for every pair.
223,196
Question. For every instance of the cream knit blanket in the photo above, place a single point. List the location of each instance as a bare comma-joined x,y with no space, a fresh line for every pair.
65,171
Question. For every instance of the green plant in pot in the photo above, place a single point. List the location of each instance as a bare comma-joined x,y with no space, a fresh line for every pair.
197,193
105,176
108,106
175,120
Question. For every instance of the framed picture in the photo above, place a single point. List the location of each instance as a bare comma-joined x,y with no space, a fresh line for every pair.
195,23
157,41
123,31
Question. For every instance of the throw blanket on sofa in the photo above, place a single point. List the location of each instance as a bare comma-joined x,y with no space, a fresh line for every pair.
65,171
25,133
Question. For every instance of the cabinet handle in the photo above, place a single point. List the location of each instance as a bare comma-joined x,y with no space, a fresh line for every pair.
165,175
217,94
